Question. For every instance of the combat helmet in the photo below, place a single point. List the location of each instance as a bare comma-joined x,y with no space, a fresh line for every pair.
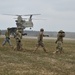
61,31
42,29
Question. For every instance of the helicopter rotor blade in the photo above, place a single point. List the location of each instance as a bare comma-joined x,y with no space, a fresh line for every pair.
21,15
22,18
34,19
12,14
31,14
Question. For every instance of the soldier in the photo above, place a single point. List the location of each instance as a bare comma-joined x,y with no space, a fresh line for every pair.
18,37
7,38
59,41
40,41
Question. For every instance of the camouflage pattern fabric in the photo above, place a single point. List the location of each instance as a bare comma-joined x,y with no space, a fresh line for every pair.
18,38
7,38
59,41
59,47
40,41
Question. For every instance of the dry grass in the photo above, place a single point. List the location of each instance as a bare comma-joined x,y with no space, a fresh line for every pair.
40,63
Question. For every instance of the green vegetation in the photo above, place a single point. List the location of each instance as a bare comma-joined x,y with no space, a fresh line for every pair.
39,63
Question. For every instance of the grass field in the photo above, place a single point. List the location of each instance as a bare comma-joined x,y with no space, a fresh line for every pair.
39,63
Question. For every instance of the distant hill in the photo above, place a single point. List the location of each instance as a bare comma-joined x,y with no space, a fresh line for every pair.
50,33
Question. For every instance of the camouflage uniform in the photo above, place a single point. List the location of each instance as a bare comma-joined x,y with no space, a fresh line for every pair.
7,39
59,41
18,38
40,41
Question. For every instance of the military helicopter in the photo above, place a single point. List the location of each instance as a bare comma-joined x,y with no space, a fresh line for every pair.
21,23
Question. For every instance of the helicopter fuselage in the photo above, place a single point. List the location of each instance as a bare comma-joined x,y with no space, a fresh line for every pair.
24,24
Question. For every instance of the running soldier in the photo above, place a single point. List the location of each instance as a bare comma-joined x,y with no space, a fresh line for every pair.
7,38
18,37
40,41
59,41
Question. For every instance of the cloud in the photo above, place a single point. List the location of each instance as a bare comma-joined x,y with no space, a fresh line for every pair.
59,13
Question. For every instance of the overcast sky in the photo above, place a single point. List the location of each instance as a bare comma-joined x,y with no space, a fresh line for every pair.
59,14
